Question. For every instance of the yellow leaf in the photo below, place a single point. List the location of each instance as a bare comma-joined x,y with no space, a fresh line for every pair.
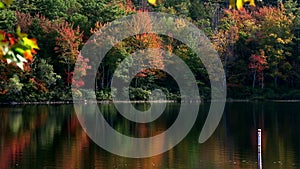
239,4
30,42
252,3
152,2
1,5
8,2
280,40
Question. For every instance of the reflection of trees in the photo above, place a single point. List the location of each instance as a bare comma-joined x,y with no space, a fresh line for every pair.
14,136
12,150
282,129
72,155
142,130
25,127
279,124
234,143
56,131
51,135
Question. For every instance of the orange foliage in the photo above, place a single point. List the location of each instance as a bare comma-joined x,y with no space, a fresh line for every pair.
38,85
128,6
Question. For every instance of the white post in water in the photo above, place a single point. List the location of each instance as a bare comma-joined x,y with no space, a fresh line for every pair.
259,149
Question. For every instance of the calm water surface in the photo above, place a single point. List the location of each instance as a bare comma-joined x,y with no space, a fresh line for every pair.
50,136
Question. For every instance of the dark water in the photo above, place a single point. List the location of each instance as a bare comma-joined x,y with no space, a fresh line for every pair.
50,136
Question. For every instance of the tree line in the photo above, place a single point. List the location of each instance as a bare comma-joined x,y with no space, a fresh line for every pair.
258,45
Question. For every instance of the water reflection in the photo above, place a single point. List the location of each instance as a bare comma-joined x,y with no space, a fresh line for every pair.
43,136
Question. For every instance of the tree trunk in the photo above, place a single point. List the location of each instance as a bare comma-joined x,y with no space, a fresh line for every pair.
276,77
107,78
136,82
254,79
68,76
275,80
262,80
102,78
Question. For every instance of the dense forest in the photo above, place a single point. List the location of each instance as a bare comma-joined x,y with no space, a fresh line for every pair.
259,47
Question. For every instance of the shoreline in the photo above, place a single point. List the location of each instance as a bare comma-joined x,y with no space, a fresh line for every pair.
84,102
138,101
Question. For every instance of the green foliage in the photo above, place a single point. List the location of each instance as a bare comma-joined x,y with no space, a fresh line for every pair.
80,20
14,85
139,94
45,73
8,20
239,92
292,95
105,94
87,94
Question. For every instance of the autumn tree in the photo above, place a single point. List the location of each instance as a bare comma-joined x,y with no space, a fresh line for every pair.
275,36
266,30
68,44
258,63
128,46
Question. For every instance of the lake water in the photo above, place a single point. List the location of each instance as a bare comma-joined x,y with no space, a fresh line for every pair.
50,136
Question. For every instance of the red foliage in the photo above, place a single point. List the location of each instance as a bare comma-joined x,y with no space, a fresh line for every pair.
24,20
38,85
69,41
146,72
258,63
128,6
81,71
68,47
